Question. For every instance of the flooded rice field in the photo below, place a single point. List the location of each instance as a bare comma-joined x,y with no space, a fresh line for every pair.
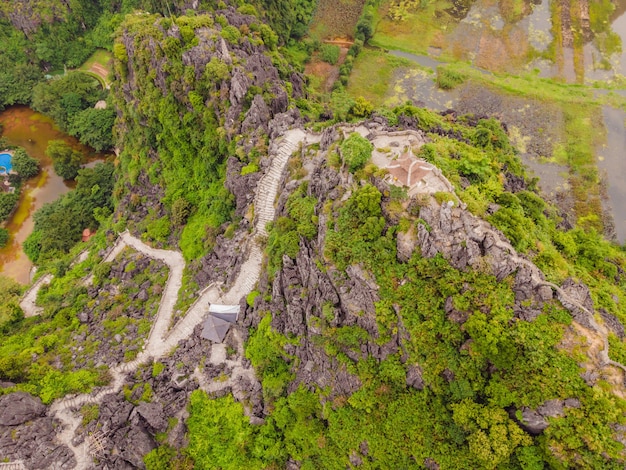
26,128
535,126
612,164
572,40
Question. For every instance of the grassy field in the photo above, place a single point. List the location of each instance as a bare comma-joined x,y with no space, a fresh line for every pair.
101,57
413,31
99,65
372,75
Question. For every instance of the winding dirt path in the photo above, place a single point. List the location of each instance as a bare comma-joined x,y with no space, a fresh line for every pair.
160,340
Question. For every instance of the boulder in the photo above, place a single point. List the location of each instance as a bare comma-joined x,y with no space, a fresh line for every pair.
18,408
153,415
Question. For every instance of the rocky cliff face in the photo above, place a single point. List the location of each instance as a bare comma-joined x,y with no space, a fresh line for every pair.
308,291
217,86
27,434
27,16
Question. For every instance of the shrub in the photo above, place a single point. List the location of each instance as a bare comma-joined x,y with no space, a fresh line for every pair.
231,34
181,209
356,151
65,159
250,168
7,203
329,53
24,165
362,108
159,229
448,79
32,245
4,237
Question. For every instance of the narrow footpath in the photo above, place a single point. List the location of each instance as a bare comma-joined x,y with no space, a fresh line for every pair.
160,340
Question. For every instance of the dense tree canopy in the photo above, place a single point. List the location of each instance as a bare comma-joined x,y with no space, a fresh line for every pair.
65,159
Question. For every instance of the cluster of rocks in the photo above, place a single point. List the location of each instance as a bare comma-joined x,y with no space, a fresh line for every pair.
132,273
27,434
142,198
535,421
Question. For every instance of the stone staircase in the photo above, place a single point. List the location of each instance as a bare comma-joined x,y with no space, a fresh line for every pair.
160,341
16,465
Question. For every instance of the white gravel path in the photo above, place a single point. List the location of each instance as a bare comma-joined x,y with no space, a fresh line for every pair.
160,341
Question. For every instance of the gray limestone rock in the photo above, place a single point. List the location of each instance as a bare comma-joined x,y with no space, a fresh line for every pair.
405,244
133,444
34,442
257,116
19,407
154,415
414,377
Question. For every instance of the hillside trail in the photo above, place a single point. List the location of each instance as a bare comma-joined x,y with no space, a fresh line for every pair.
160,340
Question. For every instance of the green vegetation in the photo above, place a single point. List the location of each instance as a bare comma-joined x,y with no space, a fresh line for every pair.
70,100
4,237
356,151
473,373
59,225
10,312
65,159
329,53
7,204
440,365
447,79
372,75
23,164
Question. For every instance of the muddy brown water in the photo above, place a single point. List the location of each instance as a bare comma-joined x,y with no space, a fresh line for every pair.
26,128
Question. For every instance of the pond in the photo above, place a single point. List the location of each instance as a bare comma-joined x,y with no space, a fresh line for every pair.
612,162
26,128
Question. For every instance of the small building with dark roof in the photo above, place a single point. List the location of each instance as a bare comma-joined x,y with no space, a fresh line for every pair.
218,321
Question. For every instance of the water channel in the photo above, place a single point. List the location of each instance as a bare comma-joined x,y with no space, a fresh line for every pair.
31,130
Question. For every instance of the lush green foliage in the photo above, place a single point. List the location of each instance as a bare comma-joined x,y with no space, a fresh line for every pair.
69,100
94,127
7,203
10,312
473,373
190,164
65,159
289,18
59,225
329,53
23,164
64,97
356,151
4,237
285,232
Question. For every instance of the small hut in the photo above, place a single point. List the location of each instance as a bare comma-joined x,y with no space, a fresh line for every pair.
218,321
87,234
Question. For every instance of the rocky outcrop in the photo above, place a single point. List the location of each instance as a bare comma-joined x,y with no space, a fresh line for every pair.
19,407
536,421
242,87
27,434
